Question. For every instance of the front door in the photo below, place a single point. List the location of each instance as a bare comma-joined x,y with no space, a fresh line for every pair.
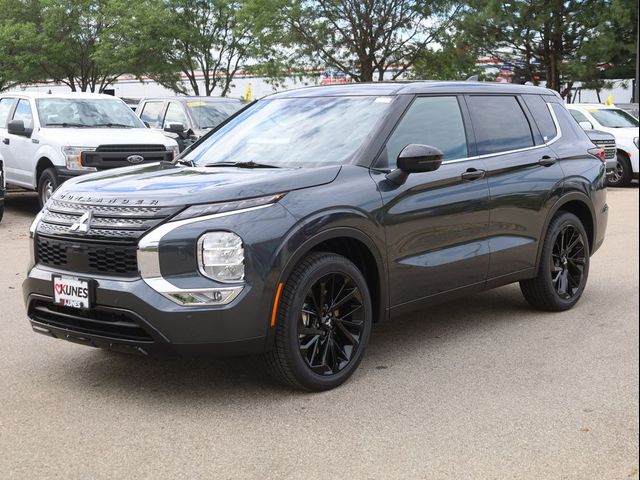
436,223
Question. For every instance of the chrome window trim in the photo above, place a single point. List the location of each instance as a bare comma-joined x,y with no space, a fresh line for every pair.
149,259
508,152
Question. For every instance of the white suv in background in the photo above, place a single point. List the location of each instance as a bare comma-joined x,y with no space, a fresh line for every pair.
47,138
623,126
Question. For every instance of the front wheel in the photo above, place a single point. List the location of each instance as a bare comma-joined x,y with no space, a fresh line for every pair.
323,323
621,174
47,184
564,266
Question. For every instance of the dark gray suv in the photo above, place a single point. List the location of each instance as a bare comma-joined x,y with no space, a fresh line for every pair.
311,214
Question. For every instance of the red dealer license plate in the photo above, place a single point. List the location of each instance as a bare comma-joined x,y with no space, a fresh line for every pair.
71,292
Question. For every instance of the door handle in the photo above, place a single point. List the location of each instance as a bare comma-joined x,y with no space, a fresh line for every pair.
547,161
473,174
5,141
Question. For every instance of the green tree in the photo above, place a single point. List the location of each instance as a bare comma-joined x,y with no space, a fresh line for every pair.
456,59
541,36
364,39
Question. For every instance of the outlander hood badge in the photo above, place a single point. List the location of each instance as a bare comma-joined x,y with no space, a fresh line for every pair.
83,224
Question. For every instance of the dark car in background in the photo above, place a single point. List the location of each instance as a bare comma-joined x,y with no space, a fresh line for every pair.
312,214
186,119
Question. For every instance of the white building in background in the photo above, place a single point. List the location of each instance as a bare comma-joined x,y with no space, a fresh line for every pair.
131,87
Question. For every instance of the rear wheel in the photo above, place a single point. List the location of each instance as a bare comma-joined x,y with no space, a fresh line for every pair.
323,323
47,184
564,266
621,175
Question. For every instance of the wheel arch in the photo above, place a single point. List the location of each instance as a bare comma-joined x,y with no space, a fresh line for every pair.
359,248
42,164
580,205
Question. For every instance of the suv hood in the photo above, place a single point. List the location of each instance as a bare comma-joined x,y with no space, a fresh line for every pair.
93,137
178,185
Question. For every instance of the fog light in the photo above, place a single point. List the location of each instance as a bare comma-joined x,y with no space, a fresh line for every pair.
221,256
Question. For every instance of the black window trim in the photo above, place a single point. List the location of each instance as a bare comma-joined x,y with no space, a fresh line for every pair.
163,110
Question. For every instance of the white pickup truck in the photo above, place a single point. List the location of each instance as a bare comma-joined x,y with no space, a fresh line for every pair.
47,138
623,126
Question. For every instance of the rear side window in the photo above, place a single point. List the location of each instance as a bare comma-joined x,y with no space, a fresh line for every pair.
542,116
5,106
499,123
569,127
152,114
23,112
434,121
579,116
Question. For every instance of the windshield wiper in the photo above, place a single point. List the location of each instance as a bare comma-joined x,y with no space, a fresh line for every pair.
67,124
111,125
250,164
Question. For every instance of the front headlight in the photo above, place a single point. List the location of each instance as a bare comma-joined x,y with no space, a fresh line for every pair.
635,140
73,158
221,256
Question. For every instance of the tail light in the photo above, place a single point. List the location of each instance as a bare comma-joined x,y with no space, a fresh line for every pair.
598,152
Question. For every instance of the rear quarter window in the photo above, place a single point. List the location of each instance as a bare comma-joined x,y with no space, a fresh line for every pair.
542,116
499,123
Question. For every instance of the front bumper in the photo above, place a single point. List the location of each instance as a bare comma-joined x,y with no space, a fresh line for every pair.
130,316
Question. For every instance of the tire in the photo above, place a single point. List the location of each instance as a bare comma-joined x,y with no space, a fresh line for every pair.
622,174
47,184
558,268
303,340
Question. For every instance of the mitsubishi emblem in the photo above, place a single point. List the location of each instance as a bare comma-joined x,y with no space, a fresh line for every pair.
83,224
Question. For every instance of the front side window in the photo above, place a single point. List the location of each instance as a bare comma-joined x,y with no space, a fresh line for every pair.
152,114
174,115
5,107
211,114
499,123
296,132
434,121
614,118
23,112
86,112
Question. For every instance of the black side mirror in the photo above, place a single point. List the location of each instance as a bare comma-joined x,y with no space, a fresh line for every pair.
16,127
174,128
415,158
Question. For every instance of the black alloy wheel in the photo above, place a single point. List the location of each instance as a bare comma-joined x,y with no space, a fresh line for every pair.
563,268
331,324
323,323
568,262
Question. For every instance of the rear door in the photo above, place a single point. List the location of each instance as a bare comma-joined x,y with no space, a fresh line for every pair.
436,223
524,175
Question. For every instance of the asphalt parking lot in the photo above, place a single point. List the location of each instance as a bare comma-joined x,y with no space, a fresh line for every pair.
479,388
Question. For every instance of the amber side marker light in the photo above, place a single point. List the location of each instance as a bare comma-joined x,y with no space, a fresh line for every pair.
274,313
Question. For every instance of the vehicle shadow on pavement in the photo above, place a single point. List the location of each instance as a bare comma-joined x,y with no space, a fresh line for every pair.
22,202
239,379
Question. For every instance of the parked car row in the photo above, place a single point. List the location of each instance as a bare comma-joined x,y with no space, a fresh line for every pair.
624,128
49,138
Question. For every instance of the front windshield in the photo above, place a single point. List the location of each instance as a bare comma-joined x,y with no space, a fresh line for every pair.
211,114
86,112
295,132
614,118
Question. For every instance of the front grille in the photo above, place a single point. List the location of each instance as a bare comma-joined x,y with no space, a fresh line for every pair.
609,147
110,223
112,156
87,257
102,321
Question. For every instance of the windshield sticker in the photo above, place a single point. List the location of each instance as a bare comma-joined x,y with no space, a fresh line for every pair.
196,104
